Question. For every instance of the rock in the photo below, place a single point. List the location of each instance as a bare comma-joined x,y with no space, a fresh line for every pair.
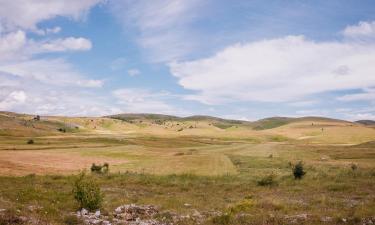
196,213
97,213
118,210
187,205
84,212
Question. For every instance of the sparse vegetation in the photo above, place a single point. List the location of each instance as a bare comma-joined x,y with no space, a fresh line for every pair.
268,180
30,141
204,169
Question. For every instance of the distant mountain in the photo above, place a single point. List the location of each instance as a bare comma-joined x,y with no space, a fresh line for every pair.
160,118
366,122
263,124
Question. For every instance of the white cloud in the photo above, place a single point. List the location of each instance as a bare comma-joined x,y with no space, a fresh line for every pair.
43,84
26,14
11,99
134,72
11,45
16,46
49,71
362,29
47,31
278,70
66,44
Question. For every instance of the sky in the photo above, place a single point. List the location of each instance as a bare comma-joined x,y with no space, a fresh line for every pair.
237,59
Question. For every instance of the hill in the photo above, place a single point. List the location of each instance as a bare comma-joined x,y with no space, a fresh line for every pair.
366,122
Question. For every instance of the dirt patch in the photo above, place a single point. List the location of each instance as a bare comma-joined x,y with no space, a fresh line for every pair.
46,162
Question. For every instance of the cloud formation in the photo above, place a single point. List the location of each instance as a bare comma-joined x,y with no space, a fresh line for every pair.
279,70
26,14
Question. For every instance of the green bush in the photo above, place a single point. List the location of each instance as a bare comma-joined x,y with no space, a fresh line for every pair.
268,180
87,192
298,171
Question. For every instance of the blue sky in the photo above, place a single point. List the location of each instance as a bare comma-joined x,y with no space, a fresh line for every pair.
234,59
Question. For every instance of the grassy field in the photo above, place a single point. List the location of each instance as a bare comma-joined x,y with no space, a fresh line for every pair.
185,165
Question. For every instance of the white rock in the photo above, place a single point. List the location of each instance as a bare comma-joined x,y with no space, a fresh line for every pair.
97,213
84,212
95,222
106,222
118,210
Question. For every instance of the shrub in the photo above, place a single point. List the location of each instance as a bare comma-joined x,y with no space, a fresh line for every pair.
30,142
62,130
96,168
100,168
298,171
267,181
87,192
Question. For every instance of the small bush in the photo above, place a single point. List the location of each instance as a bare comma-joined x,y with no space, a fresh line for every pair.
87,192
298,171
62,130
101,169
30,142
267,181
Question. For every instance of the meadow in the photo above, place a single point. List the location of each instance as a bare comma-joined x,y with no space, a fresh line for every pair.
189,165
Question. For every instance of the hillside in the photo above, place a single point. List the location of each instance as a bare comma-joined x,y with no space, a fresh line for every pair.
366,122
304,129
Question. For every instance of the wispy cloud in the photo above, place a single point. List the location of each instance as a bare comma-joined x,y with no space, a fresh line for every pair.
143,100
163,26
18,14
134,72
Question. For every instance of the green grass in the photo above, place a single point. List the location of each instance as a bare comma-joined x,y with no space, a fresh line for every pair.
318,194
